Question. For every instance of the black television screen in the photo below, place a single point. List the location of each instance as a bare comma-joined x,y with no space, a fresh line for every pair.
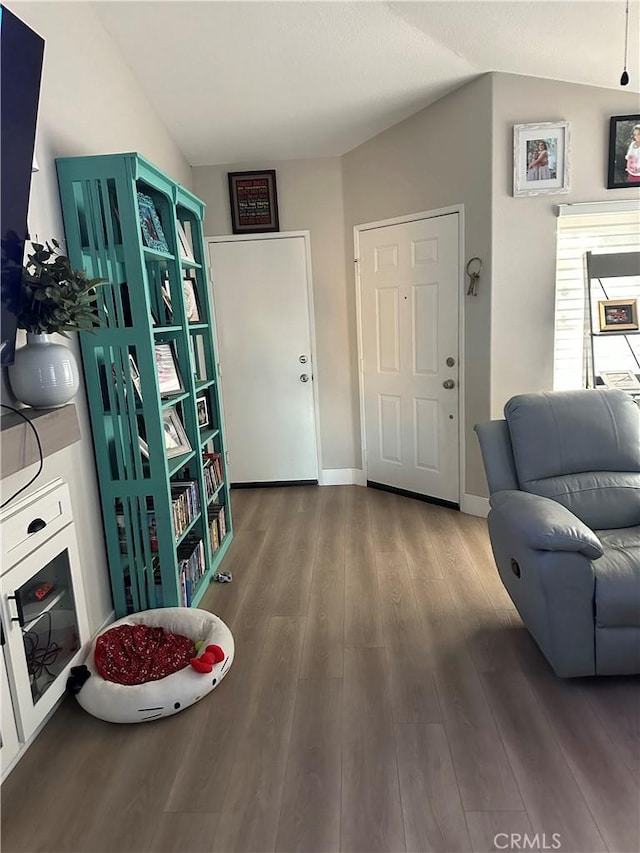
21,52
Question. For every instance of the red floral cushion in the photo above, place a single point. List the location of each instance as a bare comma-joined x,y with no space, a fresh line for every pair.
134,654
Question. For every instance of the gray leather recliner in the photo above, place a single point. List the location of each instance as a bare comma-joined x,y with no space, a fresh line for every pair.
564,476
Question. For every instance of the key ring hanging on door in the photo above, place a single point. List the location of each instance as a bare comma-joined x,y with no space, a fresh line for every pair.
473,276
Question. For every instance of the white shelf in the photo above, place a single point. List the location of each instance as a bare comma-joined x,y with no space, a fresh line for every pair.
51,603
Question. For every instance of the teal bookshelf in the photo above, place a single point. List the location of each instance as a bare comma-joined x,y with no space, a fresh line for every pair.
160,452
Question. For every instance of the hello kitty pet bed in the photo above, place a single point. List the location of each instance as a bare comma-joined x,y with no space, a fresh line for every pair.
124,680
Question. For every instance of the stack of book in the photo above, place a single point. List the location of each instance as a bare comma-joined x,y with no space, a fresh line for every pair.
191,567
217,525
213,474
185,505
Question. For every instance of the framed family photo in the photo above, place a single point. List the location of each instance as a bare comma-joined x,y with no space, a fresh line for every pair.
190,301
254,202
624,152
203,412
169,381
175,438
541,158
618,315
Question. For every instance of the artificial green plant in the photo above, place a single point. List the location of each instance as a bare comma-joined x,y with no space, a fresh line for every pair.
54,297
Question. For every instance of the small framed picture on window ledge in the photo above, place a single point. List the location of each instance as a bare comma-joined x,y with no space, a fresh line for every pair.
618,315
625,380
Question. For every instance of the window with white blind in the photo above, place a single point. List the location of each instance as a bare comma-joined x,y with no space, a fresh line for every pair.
605,227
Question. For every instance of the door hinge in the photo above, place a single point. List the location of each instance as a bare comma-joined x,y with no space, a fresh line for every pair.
226,456
219,366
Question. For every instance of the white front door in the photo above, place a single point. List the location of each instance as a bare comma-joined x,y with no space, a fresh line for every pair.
409,286
262,309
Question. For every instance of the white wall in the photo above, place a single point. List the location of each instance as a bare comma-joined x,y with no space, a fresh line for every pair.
438,157
460,150
309,198
89,104
524,228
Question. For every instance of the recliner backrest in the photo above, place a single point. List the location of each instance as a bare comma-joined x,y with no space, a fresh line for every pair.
581,448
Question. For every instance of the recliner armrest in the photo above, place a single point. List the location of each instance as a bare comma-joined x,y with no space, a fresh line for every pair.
544,524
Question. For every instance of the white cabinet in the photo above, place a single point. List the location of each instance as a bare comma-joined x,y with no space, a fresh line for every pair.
42,604
9,744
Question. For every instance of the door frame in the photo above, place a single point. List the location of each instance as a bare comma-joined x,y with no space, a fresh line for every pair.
306,235
402,220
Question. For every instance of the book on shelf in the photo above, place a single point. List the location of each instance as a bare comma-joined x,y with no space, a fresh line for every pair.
185,504
213,472
217,525
191,566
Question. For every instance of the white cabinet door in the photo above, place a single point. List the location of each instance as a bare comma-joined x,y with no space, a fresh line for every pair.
9,744
44,614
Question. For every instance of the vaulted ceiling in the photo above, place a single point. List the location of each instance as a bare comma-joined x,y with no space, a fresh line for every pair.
240,81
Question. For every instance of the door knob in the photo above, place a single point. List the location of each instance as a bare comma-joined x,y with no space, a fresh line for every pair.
448,384
304,377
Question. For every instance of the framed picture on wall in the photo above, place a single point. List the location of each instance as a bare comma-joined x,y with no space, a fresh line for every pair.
624,152
541,158
254,202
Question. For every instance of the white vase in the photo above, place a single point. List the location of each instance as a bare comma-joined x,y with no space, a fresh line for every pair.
44,374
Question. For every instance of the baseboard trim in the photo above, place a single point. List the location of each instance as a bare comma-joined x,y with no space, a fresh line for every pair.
271,484
342,477
417,496
475,505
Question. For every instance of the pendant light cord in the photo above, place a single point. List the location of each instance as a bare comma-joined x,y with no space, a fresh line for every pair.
624,80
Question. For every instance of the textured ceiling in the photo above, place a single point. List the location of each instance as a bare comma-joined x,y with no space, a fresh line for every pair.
242,81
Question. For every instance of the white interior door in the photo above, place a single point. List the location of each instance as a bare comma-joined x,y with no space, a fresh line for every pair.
262,306
409,286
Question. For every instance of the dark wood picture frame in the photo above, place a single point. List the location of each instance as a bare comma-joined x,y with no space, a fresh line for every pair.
254,202
620,139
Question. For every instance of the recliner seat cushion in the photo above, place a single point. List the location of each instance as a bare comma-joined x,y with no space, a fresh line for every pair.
617,574
581,448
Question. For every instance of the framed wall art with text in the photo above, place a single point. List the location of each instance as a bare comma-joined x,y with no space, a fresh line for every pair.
254,202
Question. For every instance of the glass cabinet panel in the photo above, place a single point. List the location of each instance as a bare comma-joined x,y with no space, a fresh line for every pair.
49,623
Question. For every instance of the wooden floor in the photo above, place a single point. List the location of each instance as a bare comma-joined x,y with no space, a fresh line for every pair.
384,697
